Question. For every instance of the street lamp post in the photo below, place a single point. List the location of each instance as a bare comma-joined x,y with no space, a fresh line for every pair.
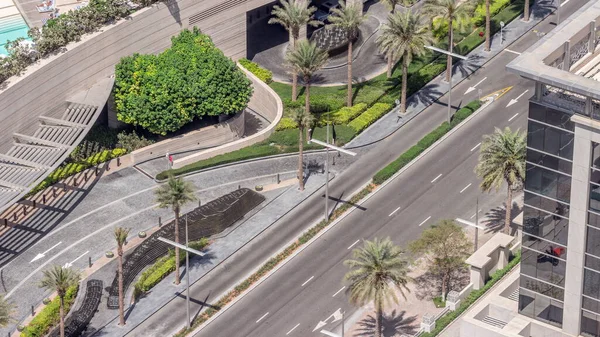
331,334
327,147
450,80
476,224
187,266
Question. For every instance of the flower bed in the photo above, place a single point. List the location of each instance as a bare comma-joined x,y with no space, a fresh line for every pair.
263,74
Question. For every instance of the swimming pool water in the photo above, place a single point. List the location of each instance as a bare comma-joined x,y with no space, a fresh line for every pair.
11,28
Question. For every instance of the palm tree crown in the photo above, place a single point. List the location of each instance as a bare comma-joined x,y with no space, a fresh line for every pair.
376,270
405,35
391,4
347,17
175,193
120,235
293,15
502,159
59,279
456,11
306,59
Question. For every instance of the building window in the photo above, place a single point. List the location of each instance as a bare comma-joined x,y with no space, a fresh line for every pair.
542,287
594,198
544,267
591,283
593,241
548,183
549,226
592,262
550,140
548,205
590,304
551,116
595,155
549,161
590,324
540,307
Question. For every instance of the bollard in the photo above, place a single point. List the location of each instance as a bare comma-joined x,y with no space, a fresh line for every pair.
75,183
15,216
44,198
53,192
33,203
199,203
278,180
5,222
159,222
89,261
96,172
239,187
107,166
24,210
65,187
118,161
32,311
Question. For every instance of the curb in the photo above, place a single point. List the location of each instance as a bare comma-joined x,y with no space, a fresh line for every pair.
335,222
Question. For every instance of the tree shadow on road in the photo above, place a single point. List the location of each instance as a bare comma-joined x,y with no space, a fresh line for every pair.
394,324
429,285
494,222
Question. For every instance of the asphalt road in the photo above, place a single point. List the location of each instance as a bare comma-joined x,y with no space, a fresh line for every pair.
282,296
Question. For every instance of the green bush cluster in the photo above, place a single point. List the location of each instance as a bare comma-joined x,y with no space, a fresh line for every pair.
70,169
132,141
445,320
318,103
286,123
344,115
190,80
284,141
263,74
50,315
162,268
425,142
496,6
370,116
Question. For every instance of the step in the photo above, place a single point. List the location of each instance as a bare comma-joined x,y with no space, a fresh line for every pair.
514,295
494,322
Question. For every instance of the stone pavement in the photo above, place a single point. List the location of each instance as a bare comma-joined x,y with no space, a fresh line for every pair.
438,87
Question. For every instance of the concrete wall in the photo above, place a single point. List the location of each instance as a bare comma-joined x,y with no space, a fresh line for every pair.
210,136
265,102
493,255
55,79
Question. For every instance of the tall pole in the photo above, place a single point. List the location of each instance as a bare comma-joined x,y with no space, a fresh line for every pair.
187,273
558,13
450,93
476,222
327,175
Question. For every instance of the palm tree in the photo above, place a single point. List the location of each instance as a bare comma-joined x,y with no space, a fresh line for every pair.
120,234
6,311
376,271
502,159
487,25
526,11
60,279
391,4
174,194
404,35
453,11
305,59
348,18
293,15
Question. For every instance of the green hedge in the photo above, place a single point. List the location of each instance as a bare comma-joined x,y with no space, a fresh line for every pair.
70,169
445,320
343,115
280,142
50,315
425,142
496,6
286,123
162,268
370,116
263,74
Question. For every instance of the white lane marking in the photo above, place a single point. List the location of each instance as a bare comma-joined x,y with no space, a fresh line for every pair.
394,212
305,282
352,245
474,87
465,188
513,117
436,178
292,329
70,264
515,100
41,255
339,291
564,3
476,146
512,51
263,316
424,221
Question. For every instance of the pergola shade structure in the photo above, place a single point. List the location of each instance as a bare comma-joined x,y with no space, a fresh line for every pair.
33,158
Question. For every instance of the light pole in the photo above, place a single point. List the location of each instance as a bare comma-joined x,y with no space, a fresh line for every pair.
476,224
558,13
450,81
187,266
327,147
331,334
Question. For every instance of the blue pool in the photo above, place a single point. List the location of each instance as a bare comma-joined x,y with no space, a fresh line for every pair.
11,28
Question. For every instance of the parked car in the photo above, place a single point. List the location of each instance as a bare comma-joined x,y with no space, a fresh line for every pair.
324,10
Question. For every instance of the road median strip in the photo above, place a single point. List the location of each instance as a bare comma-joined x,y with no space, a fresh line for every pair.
298,245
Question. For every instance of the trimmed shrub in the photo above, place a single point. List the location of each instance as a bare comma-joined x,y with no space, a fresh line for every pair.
322,104
389,170
191,80
50,315
370,116
343,115
131,141
496,6
263,74
286,123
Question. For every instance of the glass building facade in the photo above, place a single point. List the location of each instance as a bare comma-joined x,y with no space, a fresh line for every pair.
550,136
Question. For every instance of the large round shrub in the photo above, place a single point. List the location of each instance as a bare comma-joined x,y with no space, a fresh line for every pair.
192,79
